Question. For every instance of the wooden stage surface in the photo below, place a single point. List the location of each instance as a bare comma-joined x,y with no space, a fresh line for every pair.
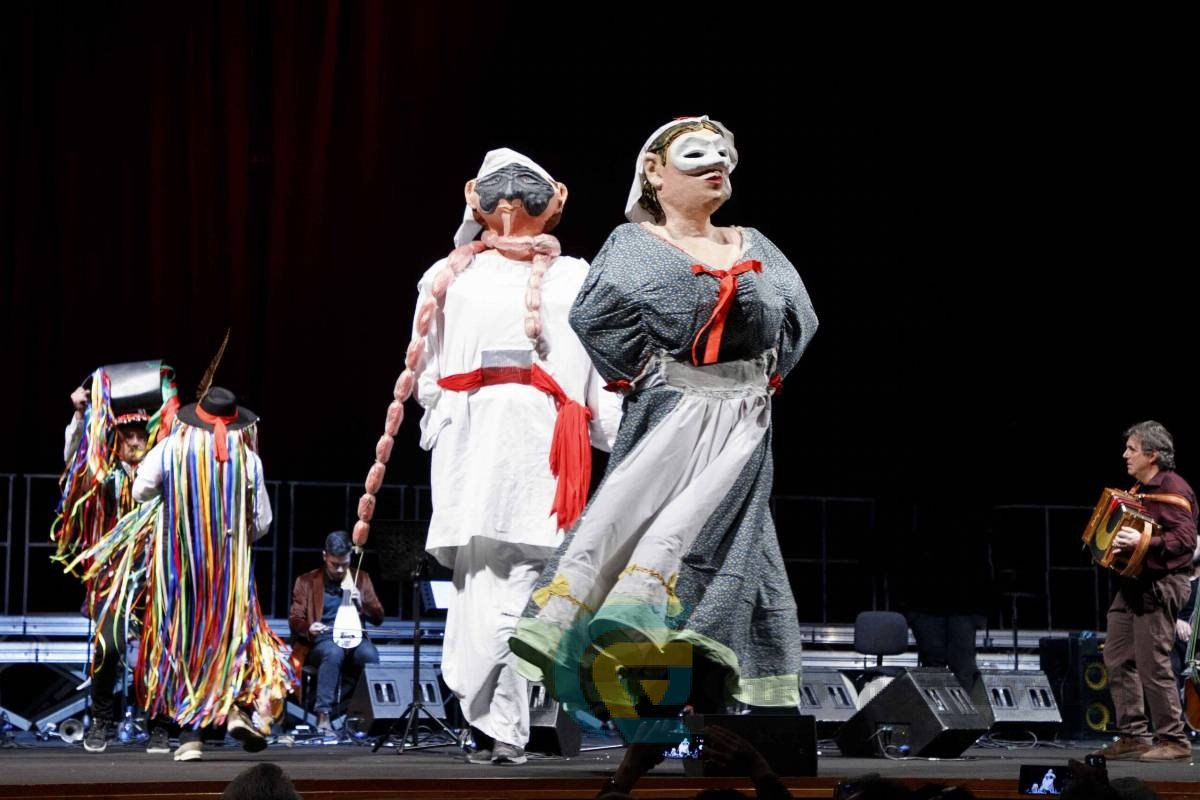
53,770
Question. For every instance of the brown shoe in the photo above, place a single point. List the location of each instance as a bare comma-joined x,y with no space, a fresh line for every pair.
1168,751
1126,748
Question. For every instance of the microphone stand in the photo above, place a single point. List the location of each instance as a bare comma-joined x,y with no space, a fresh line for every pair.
413,711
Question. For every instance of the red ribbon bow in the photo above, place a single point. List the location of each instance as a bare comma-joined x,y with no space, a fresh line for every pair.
726,290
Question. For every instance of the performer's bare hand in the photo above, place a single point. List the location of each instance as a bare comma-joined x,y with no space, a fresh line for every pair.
356,596
79,398
1183,630
317,628
1127,539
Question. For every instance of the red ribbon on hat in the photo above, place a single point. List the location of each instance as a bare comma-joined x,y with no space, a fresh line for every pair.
219,430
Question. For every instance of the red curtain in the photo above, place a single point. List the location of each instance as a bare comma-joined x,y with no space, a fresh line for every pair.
168,172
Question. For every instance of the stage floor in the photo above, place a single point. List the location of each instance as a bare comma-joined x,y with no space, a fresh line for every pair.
52,770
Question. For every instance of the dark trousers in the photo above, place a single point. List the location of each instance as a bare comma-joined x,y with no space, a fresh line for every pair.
108,659
1179,652
330,659
108,655
1137,654
947,640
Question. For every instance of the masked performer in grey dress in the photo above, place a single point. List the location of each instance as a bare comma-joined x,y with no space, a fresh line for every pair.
675,562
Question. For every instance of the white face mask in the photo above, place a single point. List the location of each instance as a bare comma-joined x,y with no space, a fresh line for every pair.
698,151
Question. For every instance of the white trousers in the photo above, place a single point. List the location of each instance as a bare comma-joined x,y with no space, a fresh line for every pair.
492,582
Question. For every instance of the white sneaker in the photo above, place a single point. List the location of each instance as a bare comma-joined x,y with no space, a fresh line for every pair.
504,753
479,757
190,751
241,728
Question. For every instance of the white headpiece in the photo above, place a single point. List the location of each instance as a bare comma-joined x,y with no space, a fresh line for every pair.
633,210
494,161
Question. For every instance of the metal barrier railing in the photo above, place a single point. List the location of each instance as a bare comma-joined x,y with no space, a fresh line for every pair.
10,481
29,543
306,529
830,577
36,547
824,560
1058,530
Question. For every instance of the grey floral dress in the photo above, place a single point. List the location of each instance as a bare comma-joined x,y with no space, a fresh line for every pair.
677,552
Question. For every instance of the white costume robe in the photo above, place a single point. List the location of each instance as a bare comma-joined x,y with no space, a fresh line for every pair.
491,482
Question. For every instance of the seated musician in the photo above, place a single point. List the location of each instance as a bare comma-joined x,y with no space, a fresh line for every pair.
316,598
1183,632
1141,619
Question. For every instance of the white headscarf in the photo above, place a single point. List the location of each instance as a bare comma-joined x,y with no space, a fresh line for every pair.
633,210
494,161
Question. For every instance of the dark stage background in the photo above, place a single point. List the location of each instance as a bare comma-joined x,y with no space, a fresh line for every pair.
987,220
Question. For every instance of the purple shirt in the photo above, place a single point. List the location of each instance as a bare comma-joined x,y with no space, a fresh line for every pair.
1172,547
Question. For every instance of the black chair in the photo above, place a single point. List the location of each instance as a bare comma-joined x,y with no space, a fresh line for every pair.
879,634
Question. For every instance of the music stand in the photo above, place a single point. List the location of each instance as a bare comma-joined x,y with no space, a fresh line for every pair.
1015,643
1016,586
419,560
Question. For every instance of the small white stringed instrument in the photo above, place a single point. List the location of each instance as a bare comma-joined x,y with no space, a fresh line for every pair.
347,626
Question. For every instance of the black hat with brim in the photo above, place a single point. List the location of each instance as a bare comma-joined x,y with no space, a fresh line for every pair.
217,402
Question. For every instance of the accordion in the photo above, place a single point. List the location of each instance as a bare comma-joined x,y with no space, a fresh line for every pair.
1116,510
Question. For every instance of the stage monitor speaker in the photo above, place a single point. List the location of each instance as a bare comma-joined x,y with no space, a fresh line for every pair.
829,696
925,710
384,691
1075,668
788,742
551,730
1017,702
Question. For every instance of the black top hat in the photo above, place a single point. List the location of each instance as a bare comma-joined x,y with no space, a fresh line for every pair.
218,402
135,390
